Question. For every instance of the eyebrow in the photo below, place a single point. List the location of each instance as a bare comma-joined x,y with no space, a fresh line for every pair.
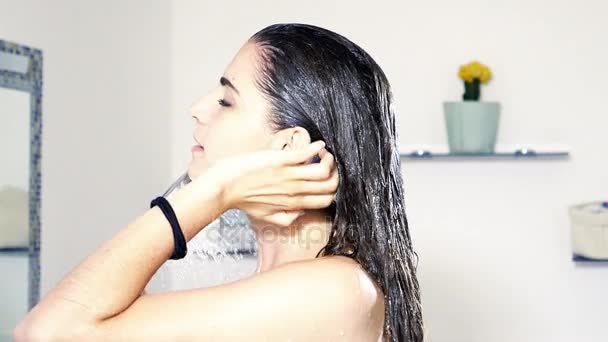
225,82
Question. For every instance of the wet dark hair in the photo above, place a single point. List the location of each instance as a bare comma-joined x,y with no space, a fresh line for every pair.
319,80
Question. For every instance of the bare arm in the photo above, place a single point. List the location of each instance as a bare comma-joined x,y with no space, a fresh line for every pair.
318,300
114,276
101,299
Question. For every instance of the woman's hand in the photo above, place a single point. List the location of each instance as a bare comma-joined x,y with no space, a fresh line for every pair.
276,186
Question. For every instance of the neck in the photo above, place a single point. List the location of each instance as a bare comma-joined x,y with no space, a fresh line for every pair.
302,240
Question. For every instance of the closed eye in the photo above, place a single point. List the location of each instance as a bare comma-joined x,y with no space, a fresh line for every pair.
223,103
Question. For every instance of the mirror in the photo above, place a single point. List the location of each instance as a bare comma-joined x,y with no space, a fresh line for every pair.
20,131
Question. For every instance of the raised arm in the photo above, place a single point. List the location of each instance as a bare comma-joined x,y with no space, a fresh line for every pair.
114,276
105,290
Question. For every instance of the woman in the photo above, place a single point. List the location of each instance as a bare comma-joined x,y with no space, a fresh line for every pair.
300,135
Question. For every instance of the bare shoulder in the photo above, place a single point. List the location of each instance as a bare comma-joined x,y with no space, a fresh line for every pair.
359,299
349,273
342,271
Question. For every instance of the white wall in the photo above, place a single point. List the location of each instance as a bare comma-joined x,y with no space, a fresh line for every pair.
492,237
106,103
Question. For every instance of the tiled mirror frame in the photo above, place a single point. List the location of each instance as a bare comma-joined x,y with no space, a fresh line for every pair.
30,82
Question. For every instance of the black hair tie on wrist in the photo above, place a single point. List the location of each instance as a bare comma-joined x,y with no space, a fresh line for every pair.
179,241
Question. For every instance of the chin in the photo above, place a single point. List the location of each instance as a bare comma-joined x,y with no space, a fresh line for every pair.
195,170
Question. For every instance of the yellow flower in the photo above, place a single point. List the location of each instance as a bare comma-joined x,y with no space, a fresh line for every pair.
486,75
464,74
473,70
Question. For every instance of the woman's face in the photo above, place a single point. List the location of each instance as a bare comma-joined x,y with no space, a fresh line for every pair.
238,122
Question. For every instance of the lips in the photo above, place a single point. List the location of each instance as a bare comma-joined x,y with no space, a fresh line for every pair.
196,140
198,147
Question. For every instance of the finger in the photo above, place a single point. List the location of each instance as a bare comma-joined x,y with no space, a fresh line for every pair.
308,202
270,203
302,155
327,159
336,176
323,152
317,171
314,172
306,187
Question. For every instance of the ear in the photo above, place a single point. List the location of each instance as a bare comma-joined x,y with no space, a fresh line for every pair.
290,139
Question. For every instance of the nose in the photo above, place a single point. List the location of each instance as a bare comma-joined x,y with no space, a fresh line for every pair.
201,110
197,116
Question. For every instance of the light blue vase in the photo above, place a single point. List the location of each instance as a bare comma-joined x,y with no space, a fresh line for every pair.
471,126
